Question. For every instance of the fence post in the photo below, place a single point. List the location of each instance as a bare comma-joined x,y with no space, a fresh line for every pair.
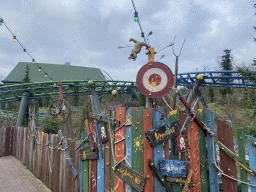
213,173
241,153
174,116
227,164
252,160
203,153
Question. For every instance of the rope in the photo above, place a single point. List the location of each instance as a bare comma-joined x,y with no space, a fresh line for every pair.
221,171
167,103
172,98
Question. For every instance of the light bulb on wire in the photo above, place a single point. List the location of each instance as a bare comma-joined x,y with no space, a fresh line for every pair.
39,69
45,74
14,39
135,16
24,51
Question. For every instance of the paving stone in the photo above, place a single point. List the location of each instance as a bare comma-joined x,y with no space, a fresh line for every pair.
15,177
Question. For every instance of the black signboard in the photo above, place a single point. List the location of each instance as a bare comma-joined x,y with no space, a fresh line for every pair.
130,177
158,136
103,132
89,153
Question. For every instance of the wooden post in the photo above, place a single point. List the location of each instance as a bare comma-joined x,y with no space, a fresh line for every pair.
108,157
252,160
128,142
203,153
149,102
174,116
148,151
175,84
227,164
213,173
241,153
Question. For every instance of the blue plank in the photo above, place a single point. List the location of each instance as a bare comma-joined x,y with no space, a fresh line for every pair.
213,173
81,166
252,159
173,168
100,162
67,154
158,151
128,142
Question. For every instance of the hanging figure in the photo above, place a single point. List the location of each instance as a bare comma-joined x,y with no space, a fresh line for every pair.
137,47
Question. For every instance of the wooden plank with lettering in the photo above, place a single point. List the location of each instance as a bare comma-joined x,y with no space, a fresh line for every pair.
158,151
174,117
119,146
130,177
252,160
181,144
157,136
147,125
128,142
227,164
173,168
194,155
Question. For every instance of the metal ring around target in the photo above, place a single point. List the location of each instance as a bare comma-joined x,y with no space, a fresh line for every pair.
154,80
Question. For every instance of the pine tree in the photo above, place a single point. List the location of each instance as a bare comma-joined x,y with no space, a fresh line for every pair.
26,79
226,64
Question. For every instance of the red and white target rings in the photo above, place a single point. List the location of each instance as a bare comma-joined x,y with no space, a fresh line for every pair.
154,80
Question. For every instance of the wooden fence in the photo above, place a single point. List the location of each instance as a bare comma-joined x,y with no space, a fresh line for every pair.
137,149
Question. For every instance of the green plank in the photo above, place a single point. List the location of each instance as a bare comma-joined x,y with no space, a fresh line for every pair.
138,143
241,153
174,116
203,154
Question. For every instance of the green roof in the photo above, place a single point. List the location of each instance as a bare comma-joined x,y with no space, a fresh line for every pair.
55,71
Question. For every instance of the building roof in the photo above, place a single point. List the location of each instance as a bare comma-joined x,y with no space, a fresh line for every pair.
55,71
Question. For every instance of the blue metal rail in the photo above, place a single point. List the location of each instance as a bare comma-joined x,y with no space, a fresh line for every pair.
233,79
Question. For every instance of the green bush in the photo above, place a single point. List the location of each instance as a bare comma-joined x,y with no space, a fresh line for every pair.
48,126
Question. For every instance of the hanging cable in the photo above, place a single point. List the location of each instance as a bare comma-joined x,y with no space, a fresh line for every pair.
24,49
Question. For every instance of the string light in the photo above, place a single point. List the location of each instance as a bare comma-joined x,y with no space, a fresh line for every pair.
24,50
136,16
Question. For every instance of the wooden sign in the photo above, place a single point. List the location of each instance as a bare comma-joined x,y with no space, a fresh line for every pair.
173,168
174,129
130,177
157,136
181,143
89,153
103,133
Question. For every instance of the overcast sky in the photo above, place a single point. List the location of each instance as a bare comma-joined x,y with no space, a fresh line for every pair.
87,33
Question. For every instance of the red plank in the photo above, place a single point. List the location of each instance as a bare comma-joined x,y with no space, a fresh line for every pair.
194,155
182,118
7,144
148,172
227,164
120,146
27,147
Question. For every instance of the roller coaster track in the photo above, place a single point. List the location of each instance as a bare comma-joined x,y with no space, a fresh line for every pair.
9,93
216,79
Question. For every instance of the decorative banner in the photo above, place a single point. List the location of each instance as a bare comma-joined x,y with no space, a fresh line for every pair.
157,136
181,143
173,168
103,133
89,153
154,80
130,177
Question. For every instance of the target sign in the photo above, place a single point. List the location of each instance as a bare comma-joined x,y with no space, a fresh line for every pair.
154,80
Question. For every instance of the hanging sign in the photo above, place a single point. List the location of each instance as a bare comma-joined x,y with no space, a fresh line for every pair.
130,177
154,80
181,143
103,133
89,153
158,136
173,168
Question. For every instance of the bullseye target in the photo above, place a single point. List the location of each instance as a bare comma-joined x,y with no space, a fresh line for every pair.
154,80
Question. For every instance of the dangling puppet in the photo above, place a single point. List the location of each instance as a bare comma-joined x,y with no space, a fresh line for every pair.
137,47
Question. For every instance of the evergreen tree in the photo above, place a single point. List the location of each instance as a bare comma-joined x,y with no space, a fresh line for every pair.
226,64
26,79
